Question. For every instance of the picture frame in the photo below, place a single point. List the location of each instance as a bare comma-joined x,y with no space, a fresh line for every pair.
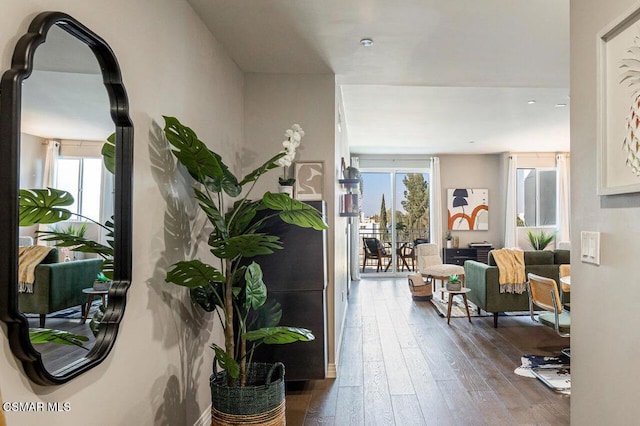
309,185
618,94
467,209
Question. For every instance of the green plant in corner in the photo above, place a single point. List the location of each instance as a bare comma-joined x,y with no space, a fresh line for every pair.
540,240
235,291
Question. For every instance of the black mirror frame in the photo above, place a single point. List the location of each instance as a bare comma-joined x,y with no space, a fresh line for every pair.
10,117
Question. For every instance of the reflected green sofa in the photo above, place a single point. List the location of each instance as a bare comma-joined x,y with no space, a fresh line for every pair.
482,279
58,285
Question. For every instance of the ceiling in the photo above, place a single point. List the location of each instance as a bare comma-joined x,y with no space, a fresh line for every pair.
441,77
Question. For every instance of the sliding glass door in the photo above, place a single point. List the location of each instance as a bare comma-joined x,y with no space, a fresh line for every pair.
395,213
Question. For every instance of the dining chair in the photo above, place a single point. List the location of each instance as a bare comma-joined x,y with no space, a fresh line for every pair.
373,249
543,293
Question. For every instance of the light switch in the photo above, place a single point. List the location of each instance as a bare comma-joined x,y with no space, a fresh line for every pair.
590,247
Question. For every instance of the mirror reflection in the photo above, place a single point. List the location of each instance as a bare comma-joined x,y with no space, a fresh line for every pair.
65,254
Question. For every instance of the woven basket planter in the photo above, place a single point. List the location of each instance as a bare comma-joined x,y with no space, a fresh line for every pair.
260,402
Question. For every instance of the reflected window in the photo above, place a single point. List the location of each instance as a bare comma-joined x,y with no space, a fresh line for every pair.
82,177
536,197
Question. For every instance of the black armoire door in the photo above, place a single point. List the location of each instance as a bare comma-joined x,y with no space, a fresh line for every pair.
296,277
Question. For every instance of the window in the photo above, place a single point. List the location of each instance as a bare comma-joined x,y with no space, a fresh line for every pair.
536,197
74,174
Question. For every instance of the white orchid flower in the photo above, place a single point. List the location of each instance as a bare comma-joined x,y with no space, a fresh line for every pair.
288,133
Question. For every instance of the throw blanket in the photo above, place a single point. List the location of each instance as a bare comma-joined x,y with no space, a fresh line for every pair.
511,268
28,258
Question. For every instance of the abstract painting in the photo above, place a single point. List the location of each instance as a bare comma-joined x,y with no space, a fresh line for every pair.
468,209
309,180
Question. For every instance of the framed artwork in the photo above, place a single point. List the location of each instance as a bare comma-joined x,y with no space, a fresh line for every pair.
309,180
468,209
618,104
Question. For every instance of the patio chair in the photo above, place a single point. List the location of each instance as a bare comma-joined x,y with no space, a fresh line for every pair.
373,249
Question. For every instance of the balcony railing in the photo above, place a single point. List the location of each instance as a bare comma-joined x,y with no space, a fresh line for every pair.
404,255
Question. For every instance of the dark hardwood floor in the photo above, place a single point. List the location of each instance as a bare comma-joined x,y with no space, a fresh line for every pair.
401,364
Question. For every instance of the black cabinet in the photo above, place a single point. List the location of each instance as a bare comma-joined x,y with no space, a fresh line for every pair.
296,277
457,256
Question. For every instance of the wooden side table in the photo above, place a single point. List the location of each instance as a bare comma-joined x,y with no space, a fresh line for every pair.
92,293
463,291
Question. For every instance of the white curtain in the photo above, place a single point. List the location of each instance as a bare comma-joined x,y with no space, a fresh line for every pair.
51,159
435,212
563,191
510,225
354,229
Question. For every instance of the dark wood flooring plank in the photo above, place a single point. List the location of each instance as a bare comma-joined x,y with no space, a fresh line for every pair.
406,410
350,406
427,391
351,365
400,358
377,401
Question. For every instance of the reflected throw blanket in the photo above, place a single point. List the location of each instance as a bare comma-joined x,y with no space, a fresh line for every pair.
28,258
511,268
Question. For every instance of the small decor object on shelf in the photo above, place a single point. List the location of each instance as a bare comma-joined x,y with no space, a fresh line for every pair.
294,136
454,283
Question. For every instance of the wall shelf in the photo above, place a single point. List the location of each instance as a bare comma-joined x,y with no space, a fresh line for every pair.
349,202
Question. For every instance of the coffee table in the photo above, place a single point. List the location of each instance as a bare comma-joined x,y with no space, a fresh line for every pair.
92,293
463,292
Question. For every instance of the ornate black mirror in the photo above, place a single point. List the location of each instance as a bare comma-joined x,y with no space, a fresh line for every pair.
64,125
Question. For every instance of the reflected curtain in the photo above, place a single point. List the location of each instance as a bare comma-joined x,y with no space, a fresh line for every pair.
564,198
50,162
435,212
510,224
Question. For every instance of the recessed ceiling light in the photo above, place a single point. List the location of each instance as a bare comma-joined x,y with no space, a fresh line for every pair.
561,105
366,42
531,102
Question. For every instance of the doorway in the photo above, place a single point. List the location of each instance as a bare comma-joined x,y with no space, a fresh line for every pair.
395,213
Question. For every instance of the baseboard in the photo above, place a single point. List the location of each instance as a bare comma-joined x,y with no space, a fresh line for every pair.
332,368
332,371
205,418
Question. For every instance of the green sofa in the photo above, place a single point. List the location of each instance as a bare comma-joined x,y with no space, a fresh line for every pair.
482,279
58,285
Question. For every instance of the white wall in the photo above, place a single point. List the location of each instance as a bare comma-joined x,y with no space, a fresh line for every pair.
158,371
273,102
475,171
605,341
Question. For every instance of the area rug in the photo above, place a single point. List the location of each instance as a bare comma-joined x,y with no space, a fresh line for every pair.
458,310
70,313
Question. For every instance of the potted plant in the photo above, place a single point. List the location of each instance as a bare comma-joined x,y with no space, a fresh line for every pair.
449,239
454,283
235,291
540,240
294,135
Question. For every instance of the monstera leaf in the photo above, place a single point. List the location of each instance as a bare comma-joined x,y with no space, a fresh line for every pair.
43,206
109,153
279,335
204,165
293,211
193,273
247,245
47,335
